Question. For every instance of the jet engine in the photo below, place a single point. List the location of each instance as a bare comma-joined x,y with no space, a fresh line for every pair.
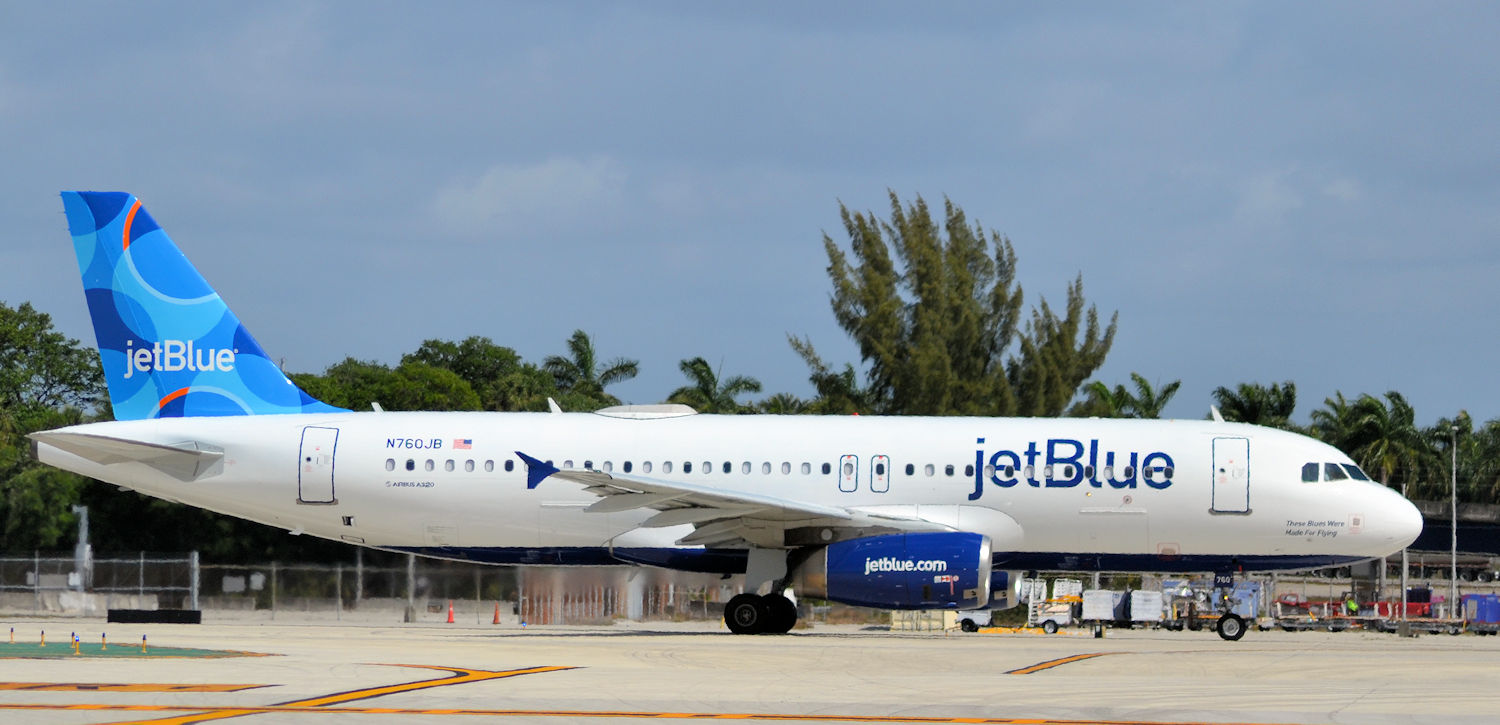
942,570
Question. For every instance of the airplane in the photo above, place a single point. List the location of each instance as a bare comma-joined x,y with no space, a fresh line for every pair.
872,511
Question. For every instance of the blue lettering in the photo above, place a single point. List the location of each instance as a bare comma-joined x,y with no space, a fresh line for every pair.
1014,464
1129,480
1054,459
1149,472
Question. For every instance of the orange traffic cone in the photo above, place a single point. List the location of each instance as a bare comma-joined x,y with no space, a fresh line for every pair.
450,611
497,613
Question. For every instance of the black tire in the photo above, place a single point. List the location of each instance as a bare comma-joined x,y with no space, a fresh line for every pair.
746,614
1049,626
1230,627
1195,624
781,614
1454,631
968,625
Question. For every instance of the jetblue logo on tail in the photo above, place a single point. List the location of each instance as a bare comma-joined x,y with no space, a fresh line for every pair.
175,355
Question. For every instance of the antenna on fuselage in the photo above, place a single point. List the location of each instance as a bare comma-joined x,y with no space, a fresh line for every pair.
1213,410
553,406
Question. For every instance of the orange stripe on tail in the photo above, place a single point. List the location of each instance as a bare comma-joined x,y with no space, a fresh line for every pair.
130,219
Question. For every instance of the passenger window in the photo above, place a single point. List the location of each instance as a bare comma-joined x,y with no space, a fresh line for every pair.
1109,472
645,467
989,470
806,468
469,466
709,467
1047,473
1355,473
1030,473
390,464
626,467
1010,471
745,468
968,470
448,465
1067,470
568,463
786,468
687,467
929,470
411,465
1333,472
1168,472
911,469
880,469
509,465
948,469
1088,471
728,467
848,469
765,467
1309,473
666,466
428,466
588,465
827,469
608,466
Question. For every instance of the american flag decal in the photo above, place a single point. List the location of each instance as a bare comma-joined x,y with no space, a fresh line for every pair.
463,444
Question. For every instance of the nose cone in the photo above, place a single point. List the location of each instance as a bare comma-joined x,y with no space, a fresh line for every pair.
1400,522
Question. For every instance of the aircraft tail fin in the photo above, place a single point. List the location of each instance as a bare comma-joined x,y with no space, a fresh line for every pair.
169,345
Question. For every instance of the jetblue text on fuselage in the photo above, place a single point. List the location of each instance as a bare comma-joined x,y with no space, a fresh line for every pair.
174,355
1065,462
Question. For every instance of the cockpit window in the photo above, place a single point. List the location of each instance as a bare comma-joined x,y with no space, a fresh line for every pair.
1333,472
1309,473
1355,473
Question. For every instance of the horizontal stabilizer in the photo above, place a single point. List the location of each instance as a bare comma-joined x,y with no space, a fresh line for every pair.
186,461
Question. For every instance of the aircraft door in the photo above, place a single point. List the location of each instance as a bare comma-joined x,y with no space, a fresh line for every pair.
315,465
880,474
1231,493
849,474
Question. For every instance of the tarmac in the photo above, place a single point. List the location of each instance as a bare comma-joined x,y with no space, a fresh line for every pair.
367,673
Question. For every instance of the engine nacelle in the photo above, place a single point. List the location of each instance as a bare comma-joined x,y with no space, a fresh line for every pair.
1005,589
939,570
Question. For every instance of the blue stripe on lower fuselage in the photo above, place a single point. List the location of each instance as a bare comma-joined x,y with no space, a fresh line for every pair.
732,561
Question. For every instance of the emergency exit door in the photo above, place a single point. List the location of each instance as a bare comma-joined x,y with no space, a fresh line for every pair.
1231,476
315,465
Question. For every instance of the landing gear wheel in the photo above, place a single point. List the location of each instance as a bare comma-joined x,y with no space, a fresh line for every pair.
781,614
1049,626
746,614
967,625
1230,627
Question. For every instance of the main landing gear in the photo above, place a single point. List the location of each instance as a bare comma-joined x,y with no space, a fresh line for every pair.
755,614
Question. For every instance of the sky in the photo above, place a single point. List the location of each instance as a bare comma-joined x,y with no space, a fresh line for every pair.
1263,191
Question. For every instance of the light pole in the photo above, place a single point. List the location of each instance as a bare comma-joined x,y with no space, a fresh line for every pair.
1453,529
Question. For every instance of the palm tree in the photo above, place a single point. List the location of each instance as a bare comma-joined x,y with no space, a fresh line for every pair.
1258,404
579,372
783,404
1336,423
1390,445
1145,402
709,394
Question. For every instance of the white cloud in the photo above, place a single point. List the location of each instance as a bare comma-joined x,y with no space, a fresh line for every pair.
551,193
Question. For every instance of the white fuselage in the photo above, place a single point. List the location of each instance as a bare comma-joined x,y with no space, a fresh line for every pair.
1235,498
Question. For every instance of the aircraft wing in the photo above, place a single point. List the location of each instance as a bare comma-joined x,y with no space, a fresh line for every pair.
185,461
725,517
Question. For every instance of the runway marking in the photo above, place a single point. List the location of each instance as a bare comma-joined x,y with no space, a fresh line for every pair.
1049,664
226,711
121,687
460,676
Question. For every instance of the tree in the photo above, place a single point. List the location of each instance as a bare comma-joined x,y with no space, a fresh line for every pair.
936,314
783,404
579,372
46,381
1255,403
1145,402
501,379
838,393
707,393
412,385
1382,437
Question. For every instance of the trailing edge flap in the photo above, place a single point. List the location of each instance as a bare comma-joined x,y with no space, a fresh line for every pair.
185,461
731,516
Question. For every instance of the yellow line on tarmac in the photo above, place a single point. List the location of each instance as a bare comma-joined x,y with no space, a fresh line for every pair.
576,714
1049,664
121,687
461,675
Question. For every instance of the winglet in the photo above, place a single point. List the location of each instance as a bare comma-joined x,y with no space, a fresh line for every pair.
536,470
